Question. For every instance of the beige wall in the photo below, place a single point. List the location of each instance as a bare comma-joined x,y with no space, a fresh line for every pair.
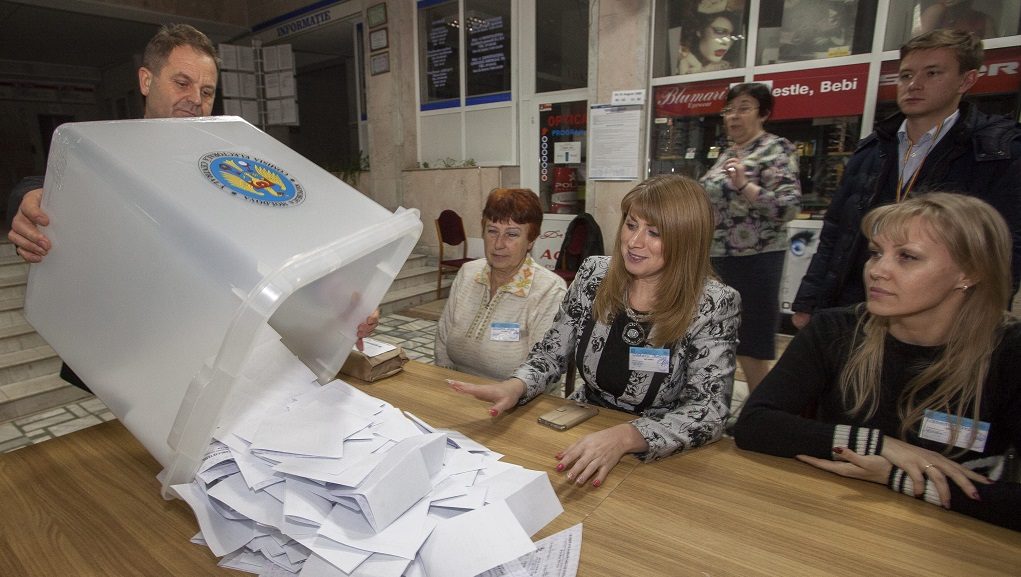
621,63
392,116
463,190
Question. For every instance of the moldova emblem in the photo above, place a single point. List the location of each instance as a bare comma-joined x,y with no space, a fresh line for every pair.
252,179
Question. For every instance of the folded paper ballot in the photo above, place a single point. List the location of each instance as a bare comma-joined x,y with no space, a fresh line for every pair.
329,482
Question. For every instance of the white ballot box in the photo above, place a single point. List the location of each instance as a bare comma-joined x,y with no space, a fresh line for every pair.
175,242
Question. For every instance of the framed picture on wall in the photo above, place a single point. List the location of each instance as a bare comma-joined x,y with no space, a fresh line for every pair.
376,15
379,63
377,39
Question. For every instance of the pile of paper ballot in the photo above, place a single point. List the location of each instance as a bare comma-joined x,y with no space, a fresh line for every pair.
324,481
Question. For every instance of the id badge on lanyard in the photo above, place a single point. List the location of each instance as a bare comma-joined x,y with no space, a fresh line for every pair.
507,332
649,359
936,426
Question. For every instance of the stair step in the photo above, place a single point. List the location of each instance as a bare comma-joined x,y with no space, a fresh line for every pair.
409,277
18,337
36,394
14,279
400,299
416,260
13,287
12,264
13,303
27,364
11,317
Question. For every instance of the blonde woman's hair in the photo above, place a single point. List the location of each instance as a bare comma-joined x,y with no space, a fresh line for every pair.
979,243
679,208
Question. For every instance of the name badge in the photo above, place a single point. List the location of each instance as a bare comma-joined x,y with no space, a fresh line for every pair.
649,359
936,426
507,332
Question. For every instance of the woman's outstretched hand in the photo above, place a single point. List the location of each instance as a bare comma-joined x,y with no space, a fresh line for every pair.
503,395
918,463
596,454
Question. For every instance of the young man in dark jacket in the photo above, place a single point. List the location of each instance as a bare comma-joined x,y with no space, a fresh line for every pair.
935,143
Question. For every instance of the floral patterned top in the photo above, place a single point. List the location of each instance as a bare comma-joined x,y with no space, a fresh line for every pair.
745,228
677,411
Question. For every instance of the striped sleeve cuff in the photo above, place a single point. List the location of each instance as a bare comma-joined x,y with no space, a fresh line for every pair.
861,440
900,481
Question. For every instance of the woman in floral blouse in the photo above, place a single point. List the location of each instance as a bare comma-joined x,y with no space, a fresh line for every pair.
754,190
501,305
652,331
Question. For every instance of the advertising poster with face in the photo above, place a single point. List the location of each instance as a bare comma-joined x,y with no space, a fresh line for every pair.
708,35
985,18
811,29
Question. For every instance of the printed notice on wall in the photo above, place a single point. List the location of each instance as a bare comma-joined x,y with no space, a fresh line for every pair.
613,142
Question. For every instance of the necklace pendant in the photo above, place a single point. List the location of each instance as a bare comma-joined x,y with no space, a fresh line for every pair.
633,334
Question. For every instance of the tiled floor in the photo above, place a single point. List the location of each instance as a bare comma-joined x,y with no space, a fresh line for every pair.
414,334
51,423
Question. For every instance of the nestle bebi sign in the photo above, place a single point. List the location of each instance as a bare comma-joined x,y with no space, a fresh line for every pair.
818,92
700,99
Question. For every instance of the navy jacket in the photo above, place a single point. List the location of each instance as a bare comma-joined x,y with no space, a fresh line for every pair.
980,156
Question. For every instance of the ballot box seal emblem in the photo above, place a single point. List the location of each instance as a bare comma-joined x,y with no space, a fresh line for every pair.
252,179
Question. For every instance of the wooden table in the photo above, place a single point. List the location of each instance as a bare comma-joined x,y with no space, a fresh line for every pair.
88,504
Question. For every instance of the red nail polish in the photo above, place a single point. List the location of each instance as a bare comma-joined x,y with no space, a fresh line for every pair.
838,450
560,466
976,496
492,412
596,483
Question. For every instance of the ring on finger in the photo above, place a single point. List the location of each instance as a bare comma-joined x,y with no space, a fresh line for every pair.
926,468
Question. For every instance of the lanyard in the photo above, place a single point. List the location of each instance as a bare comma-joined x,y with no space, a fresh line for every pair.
902,192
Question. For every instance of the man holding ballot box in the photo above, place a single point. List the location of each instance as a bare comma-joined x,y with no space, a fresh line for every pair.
178,79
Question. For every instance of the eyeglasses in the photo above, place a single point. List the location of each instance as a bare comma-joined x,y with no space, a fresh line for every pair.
740,111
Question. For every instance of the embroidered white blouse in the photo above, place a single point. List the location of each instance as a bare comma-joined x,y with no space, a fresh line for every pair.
465,340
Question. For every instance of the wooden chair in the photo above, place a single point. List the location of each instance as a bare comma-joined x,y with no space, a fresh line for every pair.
450,230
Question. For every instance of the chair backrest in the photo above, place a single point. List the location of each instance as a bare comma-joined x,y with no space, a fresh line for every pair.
450,228
582,240
576,243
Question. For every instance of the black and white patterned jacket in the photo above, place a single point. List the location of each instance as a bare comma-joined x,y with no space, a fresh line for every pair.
689,407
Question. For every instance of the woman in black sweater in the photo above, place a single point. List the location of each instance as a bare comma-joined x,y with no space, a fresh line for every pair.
917,388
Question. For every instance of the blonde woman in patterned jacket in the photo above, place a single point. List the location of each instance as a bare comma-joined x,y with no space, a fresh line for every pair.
654,302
